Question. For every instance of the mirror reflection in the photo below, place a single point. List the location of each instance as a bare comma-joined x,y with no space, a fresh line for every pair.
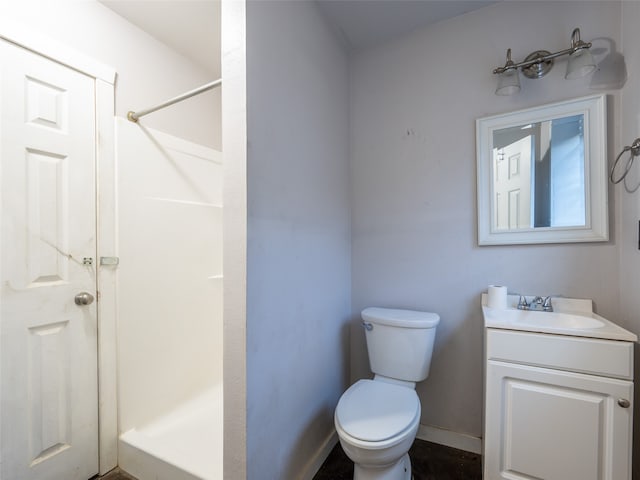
539,174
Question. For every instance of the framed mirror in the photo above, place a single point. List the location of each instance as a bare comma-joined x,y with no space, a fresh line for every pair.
542,174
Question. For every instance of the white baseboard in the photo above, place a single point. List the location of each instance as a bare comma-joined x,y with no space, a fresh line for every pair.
449,438
316,462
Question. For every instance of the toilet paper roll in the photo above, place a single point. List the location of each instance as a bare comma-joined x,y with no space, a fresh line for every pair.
497,297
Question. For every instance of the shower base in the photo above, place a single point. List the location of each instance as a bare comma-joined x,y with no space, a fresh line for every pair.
185,444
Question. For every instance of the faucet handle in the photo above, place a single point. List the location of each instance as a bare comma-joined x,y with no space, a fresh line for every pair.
522,303
547,304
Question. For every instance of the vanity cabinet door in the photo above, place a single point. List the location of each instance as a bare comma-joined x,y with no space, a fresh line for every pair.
554,425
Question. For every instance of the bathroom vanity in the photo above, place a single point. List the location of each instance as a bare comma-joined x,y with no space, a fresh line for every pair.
558,394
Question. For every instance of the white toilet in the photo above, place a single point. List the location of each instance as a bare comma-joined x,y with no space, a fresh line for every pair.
377,419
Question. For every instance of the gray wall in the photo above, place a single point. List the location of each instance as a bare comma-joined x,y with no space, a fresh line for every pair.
414,105
298,254
406,131
630,202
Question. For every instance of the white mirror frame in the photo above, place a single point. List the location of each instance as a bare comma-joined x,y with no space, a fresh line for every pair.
595,149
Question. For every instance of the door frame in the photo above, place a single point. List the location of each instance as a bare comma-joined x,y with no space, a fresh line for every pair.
106,220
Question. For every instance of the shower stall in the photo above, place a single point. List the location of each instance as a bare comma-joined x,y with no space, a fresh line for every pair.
112,335
169,305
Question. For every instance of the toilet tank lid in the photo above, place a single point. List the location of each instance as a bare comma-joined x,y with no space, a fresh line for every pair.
400,318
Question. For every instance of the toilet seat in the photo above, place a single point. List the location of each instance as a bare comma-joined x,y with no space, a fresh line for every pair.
375,411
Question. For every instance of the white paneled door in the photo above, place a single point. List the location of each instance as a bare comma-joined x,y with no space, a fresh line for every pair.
512,185
48,342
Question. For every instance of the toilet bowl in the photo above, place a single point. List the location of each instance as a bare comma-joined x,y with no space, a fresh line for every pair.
377,420
377,423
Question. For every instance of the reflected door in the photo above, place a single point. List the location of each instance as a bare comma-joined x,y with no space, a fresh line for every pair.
512,185
48,349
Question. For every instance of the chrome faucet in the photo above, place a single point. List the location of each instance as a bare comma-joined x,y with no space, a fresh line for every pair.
538,304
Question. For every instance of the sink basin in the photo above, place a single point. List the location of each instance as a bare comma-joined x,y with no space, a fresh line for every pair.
558,320
570,317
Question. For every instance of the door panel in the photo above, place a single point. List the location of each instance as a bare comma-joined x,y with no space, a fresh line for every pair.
554,425
48,344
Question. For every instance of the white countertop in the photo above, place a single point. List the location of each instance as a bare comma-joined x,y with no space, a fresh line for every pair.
570,316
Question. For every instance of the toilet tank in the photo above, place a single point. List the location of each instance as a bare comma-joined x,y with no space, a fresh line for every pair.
400,342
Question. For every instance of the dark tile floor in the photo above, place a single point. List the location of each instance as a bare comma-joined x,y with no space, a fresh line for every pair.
116,474
429,461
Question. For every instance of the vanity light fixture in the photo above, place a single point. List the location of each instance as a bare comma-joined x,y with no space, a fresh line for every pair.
537,64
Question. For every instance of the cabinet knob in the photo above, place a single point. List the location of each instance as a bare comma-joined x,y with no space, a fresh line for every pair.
624,403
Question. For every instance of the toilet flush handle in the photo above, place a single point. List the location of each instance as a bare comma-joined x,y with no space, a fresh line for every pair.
367,325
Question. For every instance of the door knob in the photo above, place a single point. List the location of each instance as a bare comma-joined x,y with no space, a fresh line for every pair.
624,403
84,298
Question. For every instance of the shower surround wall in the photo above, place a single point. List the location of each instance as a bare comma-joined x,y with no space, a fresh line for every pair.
170,234
414,102
170,299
